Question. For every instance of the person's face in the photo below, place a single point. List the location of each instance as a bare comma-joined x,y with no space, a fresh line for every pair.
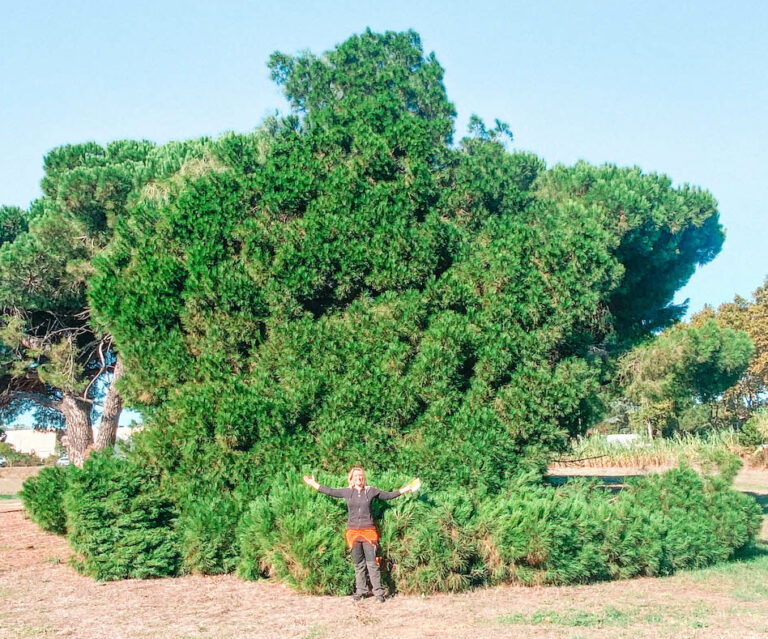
357,479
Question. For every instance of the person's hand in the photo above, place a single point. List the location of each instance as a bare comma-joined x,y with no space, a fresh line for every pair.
412,486
311,481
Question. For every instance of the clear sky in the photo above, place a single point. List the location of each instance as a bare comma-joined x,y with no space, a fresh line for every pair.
671,86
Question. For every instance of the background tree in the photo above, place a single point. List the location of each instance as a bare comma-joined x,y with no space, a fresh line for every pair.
749,393
675,379
663,234
53,356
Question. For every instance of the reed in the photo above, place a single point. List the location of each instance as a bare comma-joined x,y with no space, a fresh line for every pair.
693,450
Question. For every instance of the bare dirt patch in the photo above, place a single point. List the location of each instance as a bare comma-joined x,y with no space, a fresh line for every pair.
40,595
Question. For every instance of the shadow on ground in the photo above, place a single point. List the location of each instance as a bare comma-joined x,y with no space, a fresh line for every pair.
613,483
753,552
761,499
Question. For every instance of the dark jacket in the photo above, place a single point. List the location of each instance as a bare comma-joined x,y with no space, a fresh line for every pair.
359,503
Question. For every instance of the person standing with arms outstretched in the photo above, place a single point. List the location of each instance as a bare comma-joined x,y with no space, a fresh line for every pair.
361,534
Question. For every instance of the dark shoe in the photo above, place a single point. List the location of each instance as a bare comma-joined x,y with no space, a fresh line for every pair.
380,599
357,597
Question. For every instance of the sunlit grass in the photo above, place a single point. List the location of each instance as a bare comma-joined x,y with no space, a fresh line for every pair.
610,616
667,616
745,578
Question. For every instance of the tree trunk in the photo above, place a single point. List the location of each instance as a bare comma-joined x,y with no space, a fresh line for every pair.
79,438
113,406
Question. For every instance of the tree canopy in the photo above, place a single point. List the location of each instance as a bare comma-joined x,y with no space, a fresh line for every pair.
748,394
54,358
675,378
347,285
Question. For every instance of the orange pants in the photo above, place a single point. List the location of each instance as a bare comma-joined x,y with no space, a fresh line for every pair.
371,535
362,544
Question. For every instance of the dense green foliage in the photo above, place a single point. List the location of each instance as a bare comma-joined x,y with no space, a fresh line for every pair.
675,378
346,286
45,264
658,525
294,534
13,221
432,544
529,532
755,431
43,498
749,394
207,526
122,522
54,360
119,522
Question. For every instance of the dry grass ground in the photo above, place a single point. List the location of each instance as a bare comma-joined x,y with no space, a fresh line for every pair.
41,596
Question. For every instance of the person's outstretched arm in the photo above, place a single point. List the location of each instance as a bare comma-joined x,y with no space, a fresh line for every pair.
410,487
332,492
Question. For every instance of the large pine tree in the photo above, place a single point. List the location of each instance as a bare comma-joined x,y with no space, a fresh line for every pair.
347,285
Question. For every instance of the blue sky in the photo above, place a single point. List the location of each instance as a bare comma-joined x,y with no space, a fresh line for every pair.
673,87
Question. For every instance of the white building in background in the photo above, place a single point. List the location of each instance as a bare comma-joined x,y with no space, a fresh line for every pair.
627,440
42,443
33,442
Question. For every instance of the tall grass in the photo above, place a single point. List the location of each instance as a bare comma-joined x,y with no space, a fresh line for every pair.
693,450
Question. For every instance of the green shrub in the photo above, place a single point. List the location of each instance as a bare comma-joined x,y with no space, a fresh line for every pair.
119,522
15,458
427,544
534,533
43,497
529,532
690,521
722,462
207,527
296,535
580,533
755,430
